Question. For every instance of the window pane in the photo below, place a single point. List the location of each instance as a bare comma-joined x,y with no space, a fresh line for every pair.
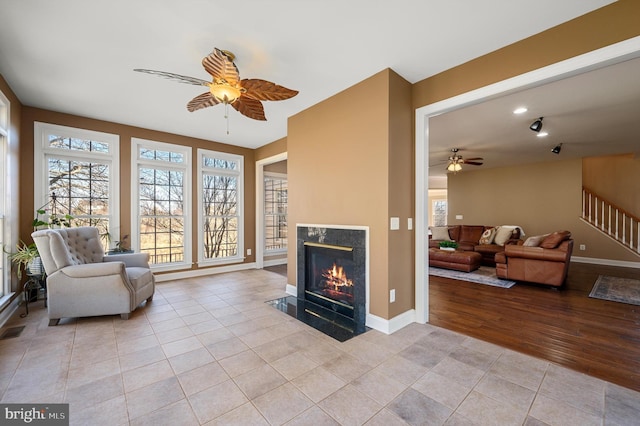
219,163
75,144
160,155
161,213
78,188
220,204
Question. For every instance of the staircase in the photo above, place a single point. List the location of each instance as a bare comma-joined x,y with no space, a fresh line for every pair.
611,220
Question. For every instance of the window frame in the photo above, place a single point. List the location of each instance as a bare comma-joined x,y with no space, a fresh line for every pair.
5,202
239,174
274,176
186,167
42,152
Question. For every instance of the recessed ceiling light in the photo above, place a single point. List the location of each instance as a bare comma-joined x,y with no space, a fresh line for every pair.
520,110
542,134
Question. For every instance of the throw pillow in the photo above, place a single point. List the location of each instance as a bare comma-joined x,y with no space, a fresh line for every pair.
487,236
552,241
503,234
535,241
440,233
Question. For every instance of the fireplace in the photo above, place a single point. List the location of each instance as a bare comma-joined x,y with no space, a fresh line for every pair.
332,277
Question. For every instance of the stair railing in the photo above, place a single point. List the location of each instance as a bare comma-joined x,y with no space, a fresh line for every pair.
612,220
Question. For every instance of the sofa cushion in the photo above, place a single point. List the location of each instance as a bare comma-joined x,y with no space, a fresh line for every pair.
554,240
535,240
470,234
488,236
503,234
440,233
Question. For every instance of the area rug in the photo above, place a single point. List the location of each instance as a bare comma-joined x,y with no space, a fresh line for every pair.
483,275
615,289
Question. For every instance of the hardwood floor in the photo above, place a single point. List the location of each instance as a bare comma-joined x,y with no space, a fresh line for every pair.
565,326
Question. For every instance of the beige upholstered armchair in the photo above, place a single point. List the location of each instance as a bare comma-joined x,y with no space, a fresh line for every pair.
82,281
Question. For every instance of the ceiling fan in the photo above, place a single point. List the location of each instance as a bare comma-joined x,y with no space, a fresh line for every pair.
227,88
456,161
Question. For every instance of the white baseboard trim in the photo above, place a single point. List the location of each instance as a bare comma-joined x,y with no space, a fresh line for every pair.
10,309
607,262
203,272
274,262
392,325
292,290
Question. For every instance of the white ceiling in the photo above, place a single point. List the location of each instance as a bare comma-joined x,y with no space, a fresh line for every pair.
77,56
591,114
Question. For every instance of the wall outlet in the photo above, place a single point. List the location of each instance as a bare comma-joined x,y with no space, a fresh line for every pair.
583,247
459,217
392,295
248,252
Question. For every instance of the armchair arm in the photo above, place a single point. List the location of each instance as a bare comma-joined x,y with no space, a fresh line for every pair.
90,270
130,260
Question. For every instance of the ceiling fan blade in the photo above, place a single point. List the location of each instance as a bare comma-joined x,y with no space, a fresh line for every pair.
176,77
221,67
473,163
263,90
475,159
202,101
249,107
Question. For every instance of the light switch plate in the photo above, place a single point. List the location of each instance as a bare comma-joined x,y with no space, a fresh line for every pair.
410,223
395,223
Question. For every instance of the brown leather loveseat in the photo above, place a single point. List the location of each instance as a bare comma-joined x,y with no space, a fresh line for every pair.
544,262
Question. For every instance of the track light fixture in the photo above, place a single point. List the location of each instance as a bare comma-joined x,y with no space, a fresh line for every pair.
536,126
556,149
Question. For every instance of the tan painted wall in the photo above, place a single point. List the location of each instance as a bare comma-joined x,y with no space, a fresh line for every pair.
269,150
13,188
616,178
279,167
541,198
30,115
401,195
339,173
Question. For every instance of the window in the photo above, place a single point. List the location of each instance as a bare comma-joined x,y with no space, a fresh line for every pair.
76,173
439,212
220,192
275,212
162,177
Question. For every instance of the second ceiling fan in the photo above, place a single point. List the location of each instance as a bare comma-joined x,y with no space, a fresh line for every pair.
456,161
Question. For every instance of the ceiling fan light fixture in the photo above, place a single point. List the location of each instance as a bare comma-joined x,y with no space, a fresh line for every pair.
224,92
536,126
454,167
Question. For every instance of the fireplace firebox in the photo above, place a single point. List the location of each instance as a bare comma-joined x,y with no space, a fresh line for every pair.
329,281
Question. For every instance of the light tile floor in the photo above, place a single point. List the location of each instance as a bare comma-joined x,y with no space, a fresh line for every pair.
210,351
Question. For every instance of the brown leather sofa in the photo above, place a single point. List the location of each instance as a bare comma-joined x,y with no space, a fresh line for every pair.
468,239
547,263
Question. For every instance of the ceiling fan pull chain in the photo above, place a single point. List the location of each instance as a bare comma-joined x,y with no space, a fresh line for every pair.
226,115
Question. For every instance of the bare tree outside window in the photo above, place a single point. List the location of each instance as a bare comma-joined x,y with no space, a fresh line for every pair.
439,212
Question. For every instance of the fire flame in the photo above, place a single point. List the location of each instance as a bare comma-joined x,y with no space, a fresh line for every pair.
336,278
